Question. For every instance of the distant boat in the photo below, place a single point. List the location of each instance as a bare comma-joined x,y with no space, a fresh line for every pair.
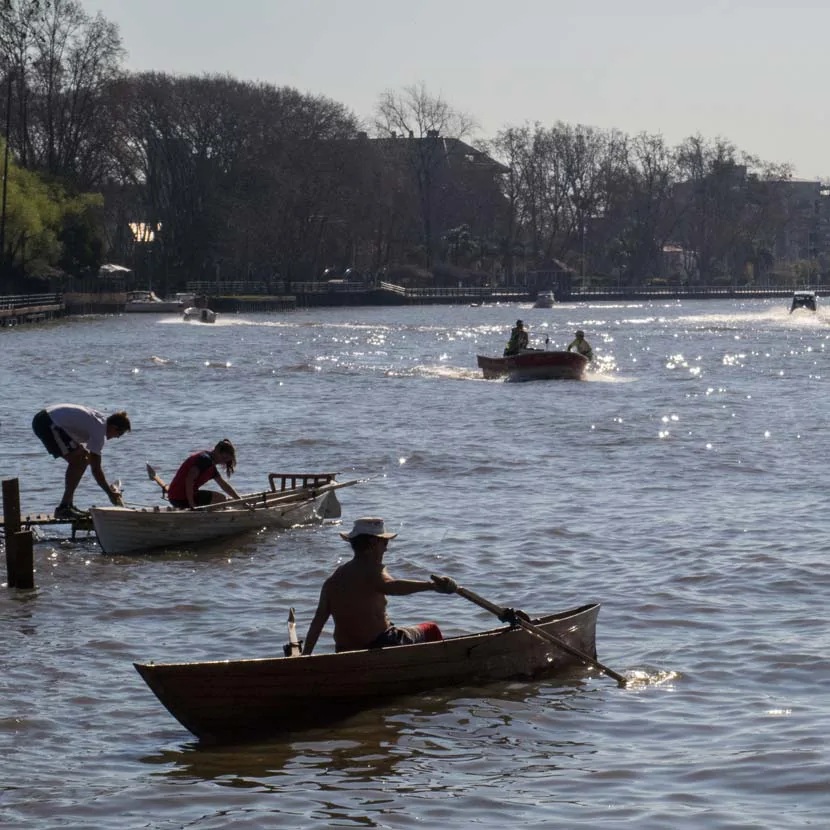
199,315
534,364
804,299
545,299
149,302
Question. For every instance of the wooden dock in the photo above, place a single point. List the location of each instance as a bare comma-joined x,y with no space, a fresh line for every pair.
30,308
30,520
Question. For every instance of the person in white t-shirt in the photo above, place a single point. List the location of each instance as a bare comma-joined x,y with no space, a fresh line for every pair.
77,434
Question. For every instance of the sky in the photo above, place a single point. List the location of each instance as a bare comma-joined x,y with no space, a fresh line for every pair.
753,73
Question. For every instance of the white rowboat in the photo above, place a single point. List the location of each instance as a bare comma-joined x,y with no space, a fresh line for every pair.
138,530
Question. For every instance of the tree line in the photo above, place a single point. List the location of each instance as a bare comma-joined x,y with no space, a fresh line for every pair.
211,177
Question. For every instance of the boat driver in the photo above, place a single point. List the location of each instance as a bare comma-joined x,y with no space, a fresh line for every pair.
355,596
518,340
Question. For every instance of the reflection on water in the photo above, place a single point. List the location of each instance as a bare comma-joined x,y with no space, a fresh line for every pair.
368,746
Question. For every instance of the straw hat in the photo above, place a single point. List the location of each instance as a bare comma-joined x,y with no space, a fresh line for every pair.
368,526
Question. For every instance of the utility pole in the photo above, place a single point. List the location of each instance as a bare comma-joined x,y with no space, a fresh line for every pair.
9,80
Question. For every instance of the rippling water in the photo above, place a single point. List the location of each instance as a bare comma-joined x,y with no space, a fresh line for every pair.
681,485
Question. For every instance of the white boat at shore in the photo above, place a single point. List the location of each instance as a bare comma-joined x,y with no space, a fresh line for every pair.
149,302
145,529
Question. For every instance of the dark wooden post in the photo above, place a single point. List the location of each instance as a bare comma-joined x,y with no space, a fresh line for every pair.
11,526
24,560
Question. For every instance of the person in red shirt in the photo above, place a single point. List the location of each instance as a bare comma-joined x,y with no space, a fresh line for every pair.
185,489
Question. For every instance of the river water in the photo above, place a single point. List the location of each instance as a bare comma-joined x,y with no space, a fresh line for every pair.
682,486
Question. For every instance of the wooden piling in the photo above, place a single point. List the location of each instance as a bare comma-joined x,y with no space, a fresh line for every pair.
24,560
11,526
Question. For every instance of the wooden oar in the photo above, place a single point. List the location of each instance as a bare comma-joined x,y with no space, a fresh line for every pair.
153,477
519,618
274,497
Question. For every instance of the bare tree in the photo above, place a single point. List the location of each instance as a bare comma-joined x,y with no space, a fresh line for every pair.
420,122
63,61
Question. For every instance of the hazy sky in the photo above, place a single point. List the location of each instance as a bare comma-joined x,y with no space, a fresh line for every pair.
755,73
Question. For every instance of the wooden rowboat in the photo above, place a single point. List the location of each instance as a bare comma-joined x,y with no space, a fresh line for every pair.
310,499
535,364
245,699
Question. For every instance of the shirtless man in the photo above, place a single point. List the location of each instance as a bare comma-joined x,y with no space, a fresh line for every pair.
77,434
355,595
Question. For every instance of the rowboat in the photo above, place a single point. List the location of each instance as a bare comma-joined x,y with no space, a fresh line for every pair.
534,364
243,699
302,499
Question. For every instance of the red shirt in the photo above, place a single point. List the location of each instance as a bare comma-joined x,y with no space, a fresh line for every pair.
203,461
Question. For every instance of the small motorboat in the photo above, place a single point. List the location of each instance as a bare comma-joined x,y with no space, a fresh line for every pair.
545,299
199,315
534,364
241,699
804,299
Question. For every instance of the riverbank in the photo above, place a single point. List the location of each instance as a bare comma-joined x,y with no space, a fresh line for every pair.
19,309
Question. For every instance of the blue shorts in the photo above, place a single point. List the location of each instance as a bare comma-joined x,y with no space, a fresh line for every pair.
57,441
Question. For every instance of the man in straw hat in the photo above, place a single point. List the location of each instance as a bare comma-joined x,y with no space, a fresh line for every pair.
355,595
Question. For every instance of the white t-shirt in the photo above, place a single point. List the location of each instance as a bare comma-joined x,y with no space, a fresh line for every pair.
87,426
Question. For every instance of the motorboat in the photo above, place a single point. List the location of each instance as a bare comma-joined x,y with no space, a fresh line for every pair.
199,315
545,299
534,364
804,299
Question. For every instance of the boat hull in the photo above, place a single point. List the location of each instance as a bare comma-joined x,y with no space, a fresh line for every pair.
146,307
244,699
129,530
535,365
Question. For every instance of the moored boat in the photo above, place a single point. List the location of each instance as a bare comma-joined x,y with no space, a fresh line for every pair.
534,364
149,302
139,530
252,698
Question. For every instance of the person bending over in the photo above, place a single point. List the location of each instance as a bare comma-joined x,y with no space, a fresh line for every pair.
77,434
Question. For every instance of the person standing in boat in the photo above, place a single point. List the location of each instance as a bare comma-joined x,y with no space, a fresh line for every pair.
185,489
355,595
77,434
518,340
582,345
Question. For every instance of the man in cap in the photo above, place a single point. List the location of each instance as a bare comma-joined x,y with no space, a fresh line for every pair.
581,345
518,339
355,595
